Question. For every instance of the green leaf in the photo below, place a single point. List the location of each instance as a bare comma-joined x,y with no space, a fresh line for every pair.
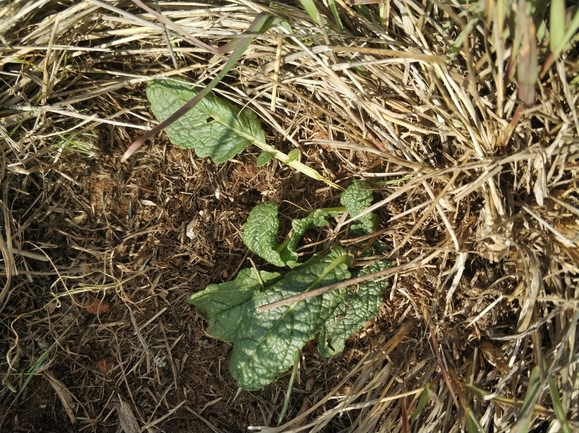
213,128
311,9
359,307
473,425
557,25
223,304
317,219
571,32
260,232
358,197
525,414
264,158
336,15
459,41
558,406
266,342
422,400
293,155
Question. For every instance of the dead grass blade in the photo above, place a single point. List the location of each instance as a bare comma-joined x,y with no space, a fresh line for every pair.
127,418
470,108
64,395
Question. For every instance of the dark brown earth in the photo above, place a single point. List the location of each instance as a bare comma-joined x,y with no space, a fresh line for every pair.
121,261
99,257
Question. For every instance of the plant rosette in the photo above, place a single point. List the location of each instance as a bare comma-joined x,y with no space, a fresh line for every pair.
265,343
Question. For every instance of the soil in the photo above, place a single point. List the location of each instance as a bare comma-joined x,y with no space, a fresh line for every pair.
127,246
99,257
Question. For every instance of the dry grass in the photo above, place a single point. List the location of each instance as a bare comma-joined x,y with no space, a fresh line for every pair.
98,261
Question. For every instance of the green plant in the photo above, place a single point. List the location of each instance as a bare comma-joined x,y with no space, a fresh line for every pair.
175,101
81,143
265,343
214,127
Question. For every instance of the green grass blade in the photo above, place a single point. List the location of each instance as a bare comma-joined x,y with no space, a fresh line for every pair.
422,400
312,10
570,32
290,386
32,371
472,424
526,412
336,14
558,406
556,26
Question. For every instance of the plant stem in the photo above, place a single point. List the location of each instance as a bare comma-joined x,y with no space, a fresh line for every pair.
290,386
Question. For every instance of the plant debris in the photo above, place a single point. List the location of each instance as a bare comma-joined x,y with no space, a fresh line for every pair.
475,194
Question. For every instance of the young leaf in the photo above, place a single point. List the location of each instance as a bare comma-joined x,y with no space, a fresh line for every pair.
473,425
317,219
533,393
264,158
359,307
558,406
223,304
336,15
311,9
266,342
293,155
213,128
422,400
260,232
357,197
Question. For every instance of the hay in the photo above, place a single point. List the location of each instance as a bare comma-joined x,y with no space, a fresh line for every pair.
491,225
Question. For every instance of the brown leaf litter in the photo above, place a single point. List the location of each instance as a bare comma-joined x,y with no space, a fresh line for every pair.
485,234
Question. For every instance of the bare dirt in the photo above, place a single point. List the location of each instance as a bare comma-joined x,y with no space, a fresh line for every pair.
127,245
99,257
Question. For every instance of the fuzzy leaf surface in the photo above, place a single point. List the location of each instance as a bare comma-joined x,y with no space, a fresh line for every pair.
317,219
359,307
212,128
358,197
260,233
223,304
266,342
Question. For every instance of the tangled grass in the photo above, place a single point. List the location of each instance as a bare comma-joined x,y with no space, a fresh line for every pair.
478,328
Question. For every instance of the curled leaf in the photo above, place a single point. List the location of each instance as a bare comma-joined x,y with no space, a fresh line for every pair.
358,197
261,229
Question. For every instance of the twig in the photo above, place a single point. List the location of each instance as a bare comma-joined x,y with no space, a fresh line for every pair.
345,283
